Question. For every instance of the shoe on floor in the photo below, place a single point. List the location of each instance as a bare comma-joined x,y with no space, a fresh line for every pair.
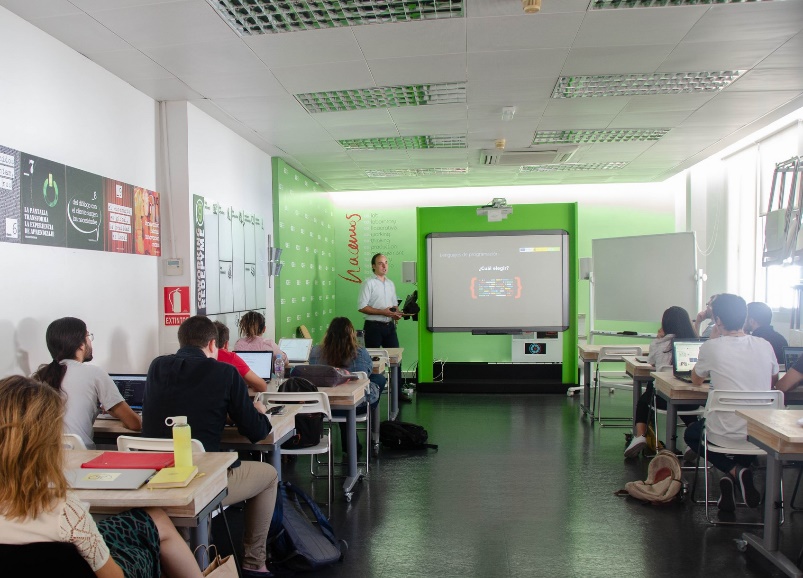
405,398
751,495
637,444
690,456
727,500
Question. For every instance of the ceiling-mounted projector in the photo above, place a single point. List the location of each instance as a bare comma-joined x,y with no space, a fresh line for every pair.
496,210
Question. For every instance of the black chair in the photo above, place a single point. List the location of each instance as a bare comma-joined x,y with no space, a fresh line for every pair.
43,560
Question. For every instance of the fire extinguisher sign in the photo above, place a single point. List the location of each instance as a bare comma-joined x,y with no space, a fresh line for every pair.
177,305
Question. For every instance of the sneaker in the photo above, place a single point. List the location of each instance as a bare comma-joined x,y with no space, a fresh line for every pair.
751,495
690,456
637,444
727,499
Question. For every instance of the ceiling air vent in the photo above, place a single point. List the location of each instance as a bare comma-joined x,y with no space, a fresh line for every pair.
531,156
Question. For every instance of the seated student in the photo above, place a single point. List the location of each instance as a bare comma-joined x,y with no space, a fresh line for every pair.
759,317
792,378
705,315
193,383
252,380
86,386
675,324
36,504
252,328
340,349
734,362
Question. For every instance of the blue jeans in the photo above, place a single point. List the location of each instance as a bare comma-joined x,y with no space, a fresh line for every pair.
694,439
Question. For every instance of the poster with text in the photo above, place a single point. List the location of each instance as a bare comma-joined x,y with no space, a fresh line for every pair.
84,194
146,222
43,201
9,195
119,216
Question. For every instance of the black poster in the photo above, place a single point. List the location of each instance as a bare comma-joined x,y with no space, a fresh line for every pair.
43,202
10,195
84,194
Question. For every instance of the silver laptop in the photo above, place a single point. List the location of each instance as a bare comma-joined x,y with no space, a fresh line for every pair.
260,362
790,355
92,479
684,357
296,350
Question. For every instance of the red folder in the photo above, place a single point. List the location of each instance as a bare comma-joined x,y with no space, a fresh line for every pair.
131,461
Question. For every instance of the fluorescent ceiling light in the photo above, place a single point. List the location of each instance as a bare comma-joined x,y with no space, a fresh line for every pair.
607,4
391,173
571,167
252,17
405,142
642,84
594,136
383,97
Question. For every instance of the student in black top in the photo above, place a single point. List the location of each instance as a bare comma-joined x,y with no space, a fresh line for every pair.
193,383
759,317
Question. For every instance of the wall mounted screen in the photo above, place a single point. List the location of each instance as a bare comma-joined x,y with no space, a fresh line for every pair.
498,282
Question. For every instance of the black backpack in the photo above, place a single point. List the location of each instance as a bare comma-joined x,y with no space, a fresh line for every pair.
399,435
295,542
309,426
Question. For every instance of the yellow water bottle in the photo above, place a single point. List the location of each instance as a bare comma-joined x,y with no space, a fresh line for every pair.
182,441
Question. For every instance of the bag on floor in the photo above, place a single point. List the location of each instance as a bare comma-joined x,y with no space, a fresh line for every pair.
663,483
309,426
294,541
399,435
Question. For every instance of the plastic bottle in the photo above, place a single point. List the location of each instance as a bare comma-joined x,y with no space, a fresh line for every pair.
361,337
278,366
182,441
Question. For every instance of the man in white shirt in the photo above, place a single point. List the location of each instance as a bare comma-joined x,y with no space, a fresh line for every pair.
734,362
379,304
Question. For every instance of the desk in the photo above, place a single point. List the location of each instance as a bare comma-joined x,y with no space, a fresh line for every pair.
188,507
640,372
282,428
395,355
677,392
776,432
589,353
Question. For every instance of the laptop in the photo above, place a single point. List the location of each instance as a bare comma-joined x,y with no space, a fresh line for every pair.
132,388
790,355
684,357
260,362
90,479
296,350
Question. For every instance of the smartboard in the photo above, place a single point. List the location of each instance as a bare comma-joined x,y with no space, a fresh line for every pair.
637,278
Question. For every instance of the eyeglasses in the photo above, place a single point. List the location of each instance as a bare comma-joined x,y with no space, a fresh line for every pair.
91,336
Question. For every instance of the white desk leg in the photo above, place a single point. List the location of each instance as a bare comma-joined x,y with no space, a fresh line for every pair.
636,397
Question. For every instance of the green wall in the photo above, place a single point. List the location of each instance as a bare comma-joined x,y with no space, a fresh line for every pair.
303,216
467,347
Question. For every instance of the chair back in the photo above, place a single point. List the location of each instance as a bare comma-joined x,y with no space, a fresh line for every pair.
664,368
616,352
72,442
302,329
360,374
309,401
382,353
135,443
729,401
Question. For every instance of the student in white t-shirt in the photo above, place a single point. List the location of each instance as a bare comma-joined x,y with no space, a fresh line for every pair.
734,362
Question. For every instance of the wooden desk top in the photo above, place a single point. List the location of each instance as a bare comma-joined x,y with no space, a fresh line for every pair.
177,502
395,354
636,368
674,388
280,425
778,428
590,351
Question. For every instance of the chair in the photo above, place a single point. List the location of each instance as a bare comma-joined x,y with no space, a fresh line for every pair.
720,401
72,442
310,402
699,412
302,329
134,443
609,354
383,356
366,419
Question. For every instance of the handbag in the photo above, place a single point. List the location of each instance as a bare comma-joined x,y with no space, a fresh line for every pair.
225,567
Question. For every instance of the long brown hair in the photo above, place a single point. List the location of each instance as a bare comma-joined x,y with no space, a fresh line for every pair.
339,347
31,451
64,337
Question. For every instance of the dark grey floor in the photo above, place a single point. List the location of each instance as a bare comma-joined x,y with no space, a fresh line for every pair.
522,486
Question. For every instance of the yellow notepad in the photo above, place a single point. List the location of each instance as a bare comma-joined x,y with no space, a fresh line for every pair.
173,477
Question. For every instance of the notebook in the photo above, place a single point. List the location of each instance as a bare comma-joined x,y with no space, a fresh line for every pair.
684,357
132,388
296,350
130,461
173,477
790,355
260,362
83,479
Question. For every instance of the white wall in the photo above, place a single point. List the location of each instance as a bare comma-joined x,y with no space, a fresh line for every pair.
54,103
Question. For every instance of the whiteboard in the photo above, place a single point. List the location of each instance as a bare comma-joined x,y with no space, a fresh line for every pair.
638,278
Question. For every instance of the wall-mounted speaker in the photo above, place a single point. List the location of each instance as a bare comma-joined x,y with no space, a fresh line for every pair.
408,272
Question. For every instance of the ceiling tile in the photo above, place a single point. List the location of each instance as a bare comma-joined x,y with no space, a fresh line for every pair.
510,91
419,69
615,59
329,76
527,109
400,39
488,68
609,105
207,58
738,108
723,55
748,21
667,102
258,83
480,8
429,113
637,27
575,121
95,5
787,56
445,127
257,108
649,120
130,64
164,89
521,32
81,33
308,47
41,8
778,79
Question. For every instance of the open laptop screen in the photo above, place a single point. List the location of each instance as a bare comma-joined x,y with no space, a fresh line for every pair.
685,355
296,350
790,355
260,362
132,388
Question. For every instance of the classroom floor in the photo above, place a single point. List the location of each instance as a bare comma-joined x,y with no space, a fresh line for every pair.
522,486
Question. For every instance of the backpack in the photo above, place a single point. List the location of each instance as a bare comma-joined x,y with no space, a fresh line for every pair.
399,435
309,426
297,543
322,375
663,483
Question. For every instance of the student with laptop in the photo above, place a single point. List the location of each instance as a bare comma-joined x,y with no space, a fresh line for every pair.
252,329
794,370
36,504
759,317
734,362
675,324
252,380
86,386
